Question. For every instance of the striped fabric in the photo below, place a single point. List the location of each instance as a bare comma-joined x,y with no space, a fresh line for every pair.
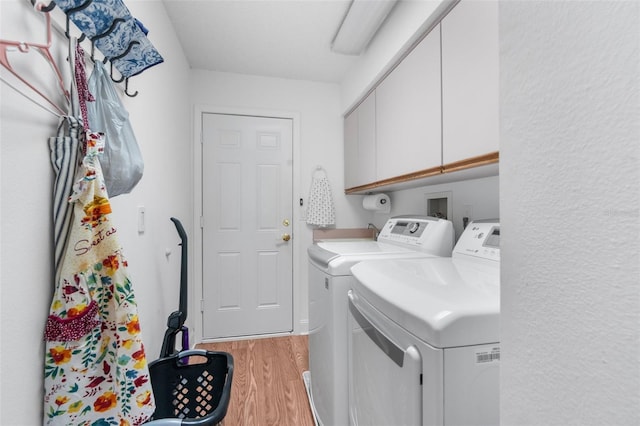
64,158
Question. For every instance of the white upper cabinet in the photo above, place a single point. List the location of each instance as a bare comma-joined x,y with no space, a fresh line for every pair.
470,80
350,149
360,144
437,107
408,113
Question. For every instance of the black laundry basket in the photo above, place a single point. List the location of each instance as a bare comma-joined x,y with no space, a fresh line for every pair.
192,387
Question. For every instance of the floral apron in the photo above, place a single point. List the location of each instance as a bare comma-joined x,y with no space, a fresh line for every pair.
95,366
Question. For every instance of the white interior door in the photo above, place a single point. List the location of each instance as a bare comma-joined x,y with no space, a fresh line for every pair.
247,171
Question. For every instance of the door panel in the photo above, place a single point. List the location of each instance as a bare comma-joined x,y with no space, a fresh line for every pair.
470,81
408,113
247,198
384,373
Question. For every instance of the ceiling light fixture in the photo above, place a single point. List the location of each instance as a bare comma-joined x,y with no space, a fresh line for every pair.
362,21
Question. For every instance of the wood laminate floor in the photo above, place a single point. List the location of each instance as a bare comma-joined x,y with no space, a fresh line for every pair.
267,387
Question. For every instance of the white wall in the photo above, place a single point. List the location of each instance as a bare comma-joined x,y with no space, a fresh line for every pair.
161,119
570,204
318,142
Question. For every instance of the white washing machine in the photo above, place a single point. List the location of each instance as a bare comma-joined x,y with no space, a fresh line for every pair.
424,336
329,281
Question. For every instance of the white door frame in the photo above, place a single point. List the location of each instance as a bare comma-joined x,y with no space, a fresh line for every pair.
196,283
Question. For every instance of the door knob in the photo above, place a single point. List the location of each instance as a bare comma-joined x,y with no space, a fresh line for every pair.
286,237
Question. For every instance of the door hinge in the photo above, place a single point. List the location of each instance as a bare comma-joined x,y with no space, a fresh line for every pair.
202,305
420,374
201,222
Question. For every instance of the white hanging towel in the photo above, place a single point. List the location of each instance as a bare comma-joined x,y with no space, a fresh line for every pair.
321,211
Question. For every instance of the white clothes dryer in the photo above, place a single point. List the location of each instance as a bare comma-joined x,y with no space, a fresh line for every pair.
330,279
424,336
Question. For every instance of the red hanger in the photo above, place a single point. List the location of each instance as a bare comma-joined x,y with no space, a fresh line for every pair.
43,49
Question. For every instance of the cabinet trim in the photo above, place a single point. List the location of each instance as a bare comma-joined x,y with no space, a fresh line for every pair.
468,163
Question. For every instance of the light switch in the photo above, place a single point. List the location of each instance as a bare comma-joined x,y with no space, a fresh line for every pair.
141,219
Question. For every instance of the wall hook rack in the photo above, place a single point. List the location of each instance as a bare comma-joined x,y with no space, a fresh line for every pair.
67,33
115,80
126,89
109,25
47,8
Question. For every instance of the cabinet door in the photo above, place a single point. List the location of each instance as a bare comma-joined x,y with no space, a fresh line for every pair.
351,149
360,144
408,113
367,141
470,80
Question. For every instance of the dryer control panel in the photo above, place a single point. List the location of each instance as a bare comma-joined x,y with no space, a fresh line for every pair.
423,233
480,239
